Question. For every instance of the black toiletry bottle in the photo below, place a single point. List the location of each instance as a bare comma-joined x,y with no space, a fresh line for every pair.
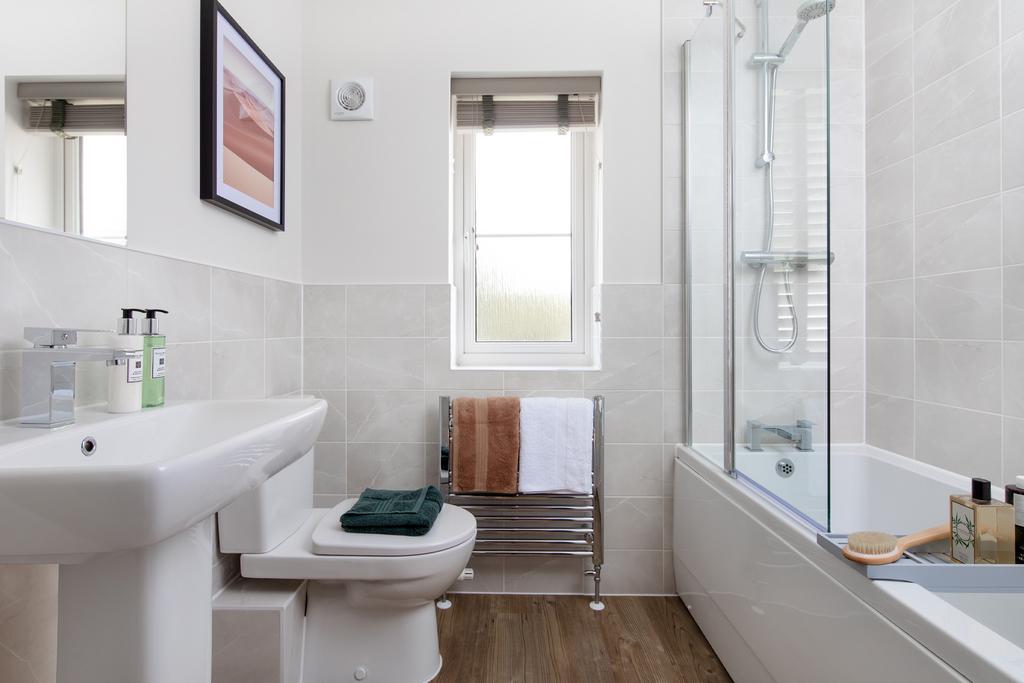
1015,497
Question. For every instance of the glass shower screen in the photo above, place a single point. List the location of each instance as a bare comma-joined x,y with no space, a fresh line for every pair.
758,250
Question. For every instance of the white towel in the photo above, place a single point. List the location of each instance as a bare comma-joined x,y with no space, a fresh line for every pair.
555,445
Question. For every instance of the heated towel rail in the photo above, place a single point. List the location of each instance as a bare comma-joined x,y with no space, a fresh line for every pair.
535,524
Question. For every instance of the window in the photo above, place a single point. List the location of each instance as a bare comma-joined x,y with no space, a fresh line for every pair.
95,186
524,237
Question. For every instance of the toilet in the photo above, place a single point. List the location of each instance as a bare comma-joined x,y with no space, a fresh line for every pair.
370,614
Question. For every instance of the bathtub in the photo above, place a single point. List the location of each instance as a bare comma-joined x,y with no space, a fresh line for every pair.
777,607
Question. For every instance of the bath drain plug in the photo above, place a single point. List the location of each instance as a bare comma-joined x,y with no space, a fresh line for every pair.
784,467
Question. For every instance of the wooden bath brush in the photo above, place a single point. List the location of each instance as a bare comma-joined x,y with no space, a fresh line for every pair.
878,547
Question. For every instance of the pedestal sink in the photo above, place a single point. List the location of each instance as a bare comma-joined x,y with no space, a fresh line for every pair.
124,504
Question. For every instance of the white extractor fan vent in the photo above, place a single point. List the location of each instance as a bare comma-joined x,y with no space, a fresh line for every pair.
352,99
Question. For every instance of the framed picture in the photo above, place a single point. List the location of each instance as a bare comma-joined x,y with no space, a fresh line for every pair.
242,122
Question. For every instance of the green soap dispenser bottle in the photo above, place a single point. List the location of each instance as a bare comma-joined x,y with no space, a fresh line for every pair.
154,360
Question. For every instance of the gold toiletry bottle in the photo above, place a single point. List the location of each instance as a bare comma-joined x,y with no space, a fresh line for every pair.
981,528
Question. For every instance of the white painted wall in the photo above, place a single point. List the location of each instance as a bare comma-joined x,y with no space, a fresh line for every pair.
165,214
375,194
363,228
90,36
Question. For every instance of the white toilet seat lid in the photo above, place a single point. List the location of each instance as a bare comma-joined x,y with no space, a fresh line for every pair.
452,527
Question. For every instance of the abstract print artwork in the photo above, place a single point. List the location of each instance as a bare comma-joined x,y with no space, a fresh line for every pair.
242,109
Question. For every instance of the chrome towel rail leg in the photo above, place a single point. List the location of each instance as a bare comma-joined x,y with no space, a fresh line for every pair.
598,466
596,604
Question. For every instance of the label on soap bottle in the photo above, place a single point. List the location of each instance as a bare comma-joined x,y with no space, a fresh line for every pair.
134,366
1018,529
963,531
159,363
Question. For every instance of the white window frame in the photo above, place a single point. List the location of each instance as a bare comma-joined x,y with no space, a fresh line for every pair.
581,351
71,196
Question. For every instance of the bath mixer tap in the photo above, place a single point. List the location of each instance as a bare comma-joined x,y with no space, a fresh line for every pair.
801,434
48,374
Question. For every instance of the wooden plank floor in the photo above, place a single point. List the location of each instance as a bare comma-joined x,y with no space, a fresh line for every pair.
531,639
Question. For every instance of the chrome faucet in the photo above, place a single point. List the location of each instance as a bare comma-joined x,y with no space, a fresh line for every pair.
801,434
48,374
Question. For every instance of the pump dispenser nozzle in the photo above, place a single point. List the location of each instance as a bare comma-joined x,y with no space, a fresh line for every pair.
150,325
127,324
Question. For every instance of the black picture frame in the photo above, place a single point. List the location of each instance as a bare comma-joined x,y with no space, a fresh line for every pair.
212,186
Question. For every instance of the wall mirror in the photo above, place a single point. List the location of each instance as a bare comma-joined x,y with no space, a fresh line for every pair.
63,130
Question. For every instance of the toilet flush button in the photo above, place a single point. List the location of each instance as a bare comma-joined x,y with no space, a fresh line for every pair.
360,674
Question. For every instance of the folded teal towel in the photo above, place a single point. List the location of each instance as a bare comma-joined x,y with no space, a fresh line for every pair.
398,513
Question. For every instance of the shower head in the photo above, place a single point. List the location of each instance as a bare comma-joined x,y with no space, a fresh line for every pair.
815,9
807,12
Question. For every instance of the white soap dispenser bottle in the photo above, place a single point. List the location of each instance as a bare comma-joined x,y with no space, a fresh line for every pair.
124,374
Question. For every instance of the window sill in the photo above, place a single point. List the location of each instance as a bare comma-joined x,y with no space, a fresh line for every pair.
541,360
591,367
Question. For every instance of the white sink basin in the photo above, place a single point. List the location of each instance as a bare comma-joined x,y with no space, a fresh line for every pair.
152,475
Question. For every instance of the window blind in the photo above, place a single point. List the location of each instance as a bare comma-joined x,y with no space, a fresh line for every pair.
70,108
488,104
76,119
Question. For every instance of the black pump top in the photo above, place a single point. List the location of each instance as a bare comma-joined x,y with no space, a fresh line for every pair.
1012,490
981,489
150,325
126,324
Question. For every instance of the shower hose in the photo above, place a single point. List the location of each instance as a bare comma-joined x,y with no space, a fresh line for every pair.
772,75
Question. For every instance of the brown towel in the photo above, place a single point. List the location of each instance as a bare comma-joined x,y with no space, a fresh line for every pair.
485,445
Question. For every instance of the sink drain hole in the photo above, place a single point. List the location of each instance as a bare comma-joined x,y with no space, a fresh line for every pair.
89,446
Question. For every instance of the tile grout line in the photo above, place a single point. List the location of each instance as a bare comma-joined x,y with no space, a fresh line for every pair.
209,379
913,241
1002,246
